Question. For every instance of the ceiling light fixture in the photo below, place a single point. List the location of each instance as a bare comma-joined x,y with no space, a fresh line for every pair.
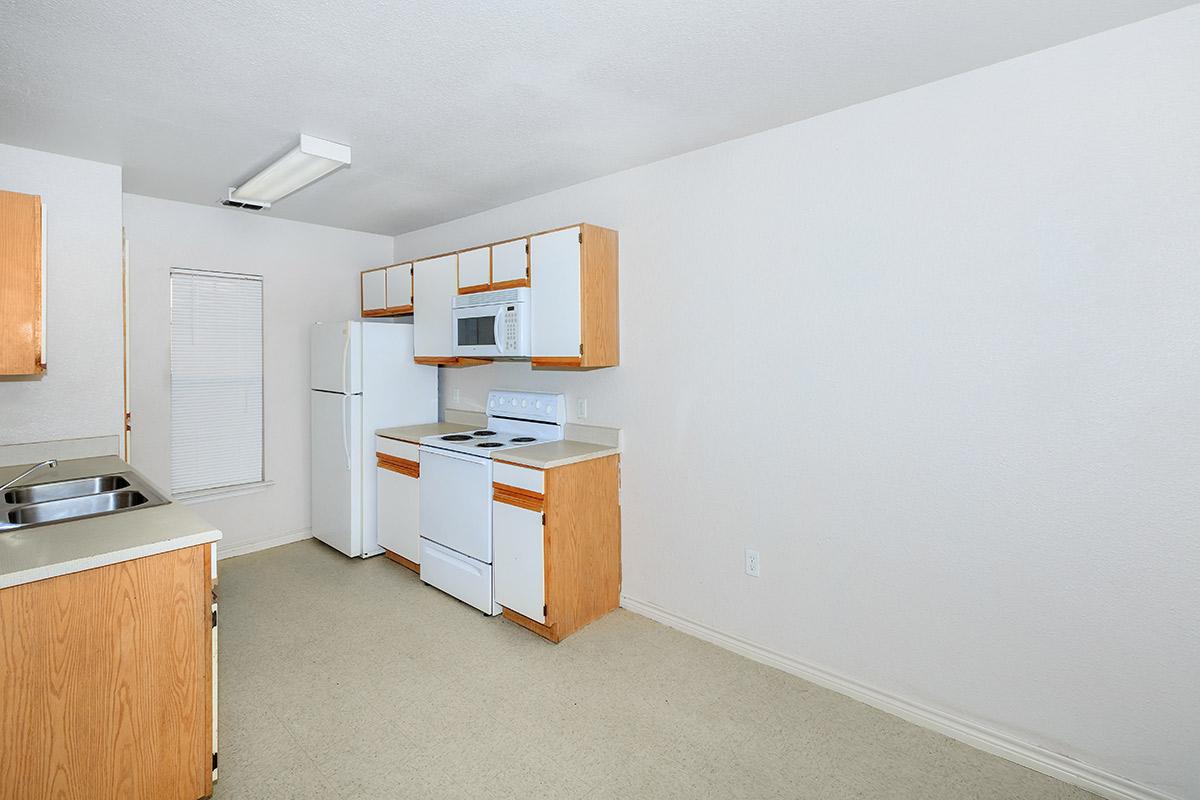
312,160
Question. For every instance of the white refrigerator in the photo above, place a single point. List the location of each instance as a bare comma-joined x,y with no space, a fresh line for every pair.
363,378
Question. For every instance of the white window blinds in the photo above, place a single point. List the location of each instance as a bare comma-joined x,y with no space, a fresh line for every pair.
216,380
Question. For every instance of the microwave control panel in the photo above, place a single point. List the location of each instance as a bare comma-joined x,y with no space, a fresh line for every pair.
512,336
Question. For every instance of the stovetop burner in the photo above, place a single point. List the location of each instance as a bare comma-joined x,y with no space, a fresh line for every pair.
490,444
523,439
456,437
484,433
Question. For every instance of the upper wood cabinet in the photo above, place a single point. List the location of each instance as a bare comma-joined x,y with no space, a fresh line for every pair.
510,264
474,270
387,291
399,290
22,297
572,275
504,265
374,292
434,285
574,294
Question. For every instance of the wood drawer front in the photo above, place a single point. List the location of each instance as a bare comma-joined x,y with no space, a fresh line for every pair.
516,496
531,480
397,449
401,465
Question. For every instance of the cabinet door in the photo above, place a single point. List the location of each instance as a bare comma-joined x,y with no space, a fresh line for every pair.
474,270
554,294
433,288
398,514
510,264
374,290
399,286
21,295
519,563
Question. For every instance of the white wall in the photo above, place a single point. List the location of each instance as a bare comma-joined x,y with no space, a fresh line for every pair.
80,394
310,273
935,356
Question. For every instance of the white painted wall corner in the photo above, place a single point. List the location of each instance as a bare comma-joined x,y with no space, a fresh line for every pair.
262,544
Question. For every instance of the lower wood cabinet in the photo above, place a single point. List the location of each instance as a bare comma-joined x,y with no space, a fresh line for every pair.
519,553
106,682
397,498
557,544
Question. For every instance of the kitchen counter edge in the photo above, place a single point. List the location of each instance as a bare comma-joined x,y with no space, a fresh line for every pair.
73,546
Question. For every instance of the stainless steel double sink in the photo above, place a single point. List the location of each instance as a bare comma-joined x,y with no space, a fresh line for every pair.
60,501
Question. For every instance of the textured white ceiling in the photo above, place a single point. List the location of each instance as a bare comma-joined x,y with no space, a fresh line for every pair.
453,108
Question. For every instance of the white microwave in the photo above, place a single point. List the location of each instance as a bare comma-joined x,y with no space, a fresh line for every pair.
491,324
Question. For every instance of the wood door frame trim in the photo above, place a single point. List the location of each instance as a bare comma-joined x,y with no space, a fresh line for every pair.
516,283
451,361
545,631
556,361
516,496
402,561
403,466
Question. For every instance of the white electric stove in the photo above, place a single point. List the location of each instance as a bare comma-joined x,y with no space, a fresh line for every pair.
455,507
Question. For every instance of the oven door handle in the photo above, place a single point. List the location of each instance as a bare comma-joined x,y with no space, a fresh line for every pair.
437,451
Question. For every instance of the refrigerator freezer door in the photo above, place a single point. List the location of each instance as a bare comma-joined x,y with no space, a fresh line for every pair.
336,349
337,471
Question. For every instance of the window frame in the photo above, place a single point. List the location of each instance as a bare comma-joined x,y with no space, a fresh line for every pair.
203,494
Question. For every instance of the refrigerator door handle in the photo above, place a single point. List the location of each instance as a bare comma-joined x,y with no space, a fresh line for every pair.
345,360
346,428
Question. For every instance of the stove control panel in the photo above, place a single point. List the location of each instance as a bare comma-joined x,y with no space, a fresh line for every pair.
533,406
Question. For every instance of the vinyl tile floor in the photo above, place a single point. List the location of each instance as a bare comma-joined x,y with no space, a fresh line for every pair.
351,679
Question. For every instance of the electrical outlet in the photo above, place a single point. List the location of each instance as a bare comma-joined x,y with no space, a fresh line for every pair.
753,563
581,408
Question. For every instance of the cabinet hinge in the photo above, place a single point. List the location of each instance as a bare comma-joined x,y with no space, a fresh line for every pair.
580,349
214,618
581,237
128,421
543,520
527,248
214,762
545,611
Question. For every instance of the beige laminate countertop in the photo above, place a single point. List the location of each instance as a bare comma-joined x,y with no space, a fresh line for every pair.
539,456
556,454
47,551
413,433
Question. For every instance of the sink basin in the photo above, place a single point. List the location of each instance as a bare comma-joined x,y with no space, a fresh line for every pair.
75,507
41,492
60,501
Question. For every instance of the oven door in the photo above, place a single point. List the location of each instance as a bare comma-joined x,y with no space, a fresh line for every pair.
455,502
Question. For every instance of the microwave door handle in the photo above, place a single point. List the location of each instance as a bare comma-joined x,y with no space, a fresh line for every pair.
496,326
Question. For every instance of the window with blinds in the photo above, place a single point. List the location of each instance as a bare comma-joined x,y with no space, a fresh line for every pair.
216,380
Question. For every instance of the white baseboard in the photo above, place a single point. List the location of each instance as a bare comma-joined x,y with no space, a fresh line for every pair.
262,544
969,732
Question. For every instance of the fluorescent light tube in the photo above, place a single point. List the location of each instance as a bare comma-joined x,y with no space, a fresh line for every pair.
312,160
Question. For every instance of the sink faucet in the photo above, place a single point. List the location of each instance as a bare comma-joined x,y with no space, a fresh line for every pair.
49,462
